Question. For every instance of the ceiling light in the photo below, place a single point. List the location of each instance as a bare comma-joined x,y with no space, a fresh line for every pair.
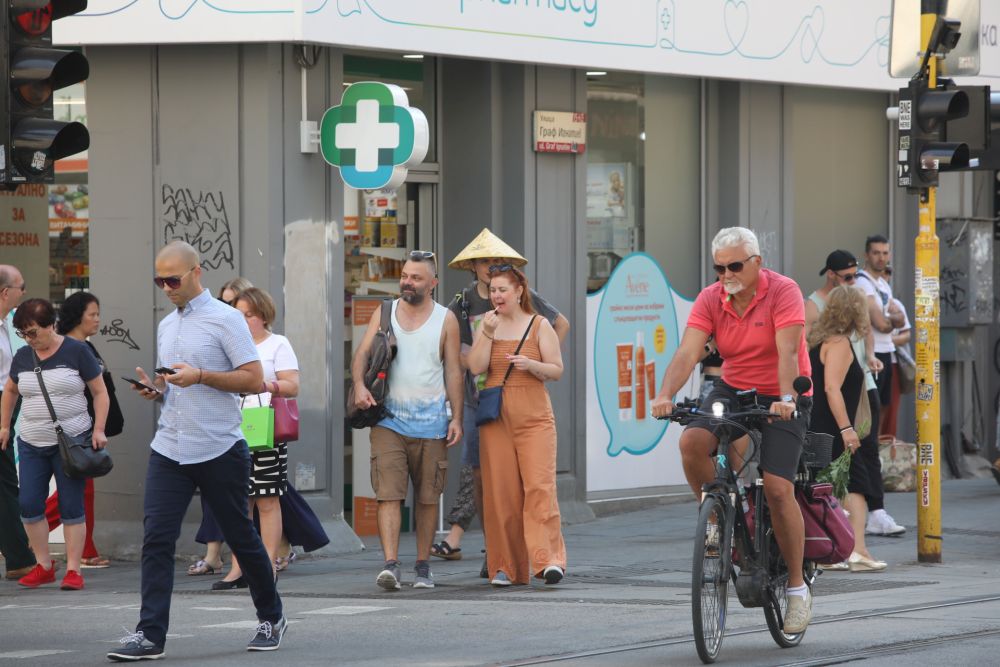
413,56
597,73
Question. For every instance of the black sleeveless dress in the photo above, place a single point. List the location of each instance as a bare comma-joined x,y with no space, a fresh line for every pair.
823,421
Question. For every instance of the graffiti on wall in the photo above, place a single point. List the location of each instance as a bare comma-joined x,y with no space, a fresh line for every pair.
199,218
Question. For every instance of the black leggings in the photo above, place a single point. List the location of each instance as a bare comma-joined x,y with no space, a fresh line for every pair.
869,452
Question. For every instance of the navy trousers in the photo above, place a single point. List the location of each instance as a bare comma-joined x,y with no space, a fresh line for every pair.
224,483
13,539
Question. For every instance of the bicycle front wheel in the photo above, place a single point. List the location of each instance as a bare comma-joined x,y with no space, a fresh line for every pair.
709,578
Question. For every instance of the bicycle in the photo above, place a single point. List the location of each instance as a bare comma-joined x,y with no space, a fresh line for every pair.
740,546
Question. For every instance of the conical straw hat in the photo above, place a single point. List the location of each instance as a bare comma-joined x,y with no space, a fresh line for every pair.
486,245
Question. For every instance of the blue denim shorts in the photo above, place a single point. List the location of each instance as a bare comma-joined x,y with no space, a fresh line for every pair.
36,466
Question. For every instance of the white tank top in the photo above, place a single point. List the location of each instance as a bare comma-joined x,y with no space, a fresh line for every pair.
417,396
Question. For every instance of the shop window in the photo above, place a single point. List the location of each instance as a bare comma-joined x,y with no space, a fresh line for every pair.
69,207
643,175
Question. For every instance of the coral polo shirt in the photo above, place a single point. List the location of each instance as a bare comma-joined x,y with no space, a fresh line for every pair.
747,343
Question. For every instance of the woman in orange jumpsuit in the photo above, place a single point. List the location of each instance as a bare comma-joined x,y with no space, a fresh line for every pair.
518,449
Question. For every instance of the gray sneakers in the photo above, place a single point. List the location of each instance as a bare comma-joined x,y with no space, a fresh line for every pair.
267,636
424,577
798,614
501,579
135,647
390,576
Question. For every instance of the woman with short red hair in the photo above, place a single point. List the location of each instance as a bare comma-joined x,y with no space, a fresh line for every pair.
518,448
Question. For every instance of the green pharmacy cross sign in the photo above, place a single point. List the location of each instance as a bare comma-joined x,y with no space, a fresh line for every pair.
374,136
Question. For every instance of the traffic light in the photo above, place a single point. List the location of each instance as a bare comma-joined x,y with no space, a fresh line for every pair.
30,140
924,149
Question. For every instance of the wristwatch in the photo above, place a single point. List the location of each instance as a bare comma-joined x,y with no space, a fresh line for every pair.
787,398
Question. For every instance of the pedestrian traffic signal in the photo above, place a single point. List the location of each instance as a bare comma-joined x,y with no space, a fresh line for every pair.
924,149
31,141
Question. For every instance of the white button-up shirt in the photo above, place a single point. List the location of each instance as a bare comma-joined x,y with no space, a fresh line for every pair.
199,423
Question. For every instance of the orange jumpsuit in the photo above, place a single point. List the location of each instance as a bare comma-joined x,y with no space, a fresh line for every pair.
518,453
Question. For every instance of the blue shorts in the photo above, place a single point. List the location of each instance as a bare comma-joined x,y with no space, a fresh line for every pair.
36,466
470,437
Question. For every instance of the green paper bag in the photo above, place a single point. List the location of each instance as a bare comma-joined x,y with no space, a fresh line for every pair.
258,427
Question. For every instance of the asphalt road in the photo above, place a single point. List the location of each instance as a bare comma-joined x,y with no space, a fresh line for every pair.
625,601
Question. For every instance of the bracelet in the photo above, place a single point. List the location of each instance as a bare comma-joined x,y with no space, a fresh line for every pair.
847,428
487,335
198,381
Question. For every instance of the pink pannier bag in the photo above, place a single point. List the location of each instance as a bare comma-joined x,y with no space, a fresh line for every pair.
829,535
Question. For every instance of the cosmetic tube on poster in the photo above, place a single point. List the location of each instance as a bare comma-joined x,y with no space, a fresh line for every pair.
624,381
651,379
640,380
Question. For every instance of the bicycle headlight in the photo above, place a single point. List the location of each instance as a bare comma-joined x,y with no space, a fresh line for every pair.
718,409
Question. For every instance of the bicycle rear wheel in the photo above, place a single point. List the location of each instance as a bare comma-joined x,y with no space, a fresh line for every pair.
776,602
709,579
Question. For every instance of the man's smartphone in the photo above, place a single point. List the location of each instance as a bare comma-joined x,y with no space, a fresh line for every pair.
139,385
163,370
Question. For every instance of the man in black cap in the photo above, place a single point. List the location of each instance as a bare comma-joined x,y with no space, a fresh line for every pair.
841,268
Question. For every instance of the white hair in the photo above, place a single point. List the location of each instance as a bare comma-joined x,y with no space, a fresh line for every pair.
731,237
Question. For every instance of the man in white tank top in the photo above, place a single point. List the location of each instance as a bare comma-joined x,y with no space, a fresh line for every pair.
412,443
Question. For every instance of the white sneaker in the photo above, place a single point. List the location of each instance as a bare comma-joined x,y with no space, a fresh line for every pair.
798,613
880,523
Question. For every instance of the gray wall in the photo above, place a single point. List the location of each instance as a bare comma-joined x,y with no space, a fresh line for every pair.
198,146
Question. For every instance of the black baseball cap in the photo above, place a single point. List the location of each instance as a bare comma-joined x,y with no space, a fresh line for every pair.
838,260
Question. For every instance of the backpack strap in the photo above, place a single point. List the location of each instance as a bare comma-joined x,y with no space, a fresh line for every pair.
385,324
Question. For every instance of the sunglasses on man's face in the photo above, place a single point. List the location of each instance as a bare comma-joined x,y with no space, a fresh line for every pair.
173,282
732,267
30,334
847,277
501,268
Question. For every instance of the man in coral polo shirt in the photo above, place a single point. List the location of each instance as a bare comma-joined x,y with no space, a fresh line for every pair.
757,317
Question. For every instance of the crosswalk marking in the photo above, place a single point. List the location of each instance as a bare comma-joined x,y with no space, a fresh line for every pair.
345,610
20,655
247,625
216,608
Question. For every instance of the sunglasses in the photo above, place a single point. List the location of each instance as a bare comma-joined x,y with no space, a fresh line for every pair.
422,255
501,268
732,267
30,334
173,282
849,277
23,287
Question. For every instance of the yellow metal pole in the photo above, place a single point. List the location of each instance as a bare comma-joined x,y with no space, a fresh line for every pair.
928,357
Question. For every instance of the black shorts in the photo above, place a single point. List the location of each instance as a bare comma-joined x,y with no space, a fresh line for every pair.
781,441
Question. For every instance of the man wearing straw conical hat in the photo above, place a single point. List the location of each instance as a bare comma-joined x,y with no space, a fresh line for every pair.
469,306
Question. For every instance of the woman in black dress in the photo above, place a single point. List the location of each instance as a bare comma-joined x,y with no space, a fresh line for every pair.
837,384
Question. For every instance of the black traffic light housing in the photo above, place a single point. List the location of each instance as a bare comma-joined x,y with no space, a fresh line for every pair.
924,148
30,140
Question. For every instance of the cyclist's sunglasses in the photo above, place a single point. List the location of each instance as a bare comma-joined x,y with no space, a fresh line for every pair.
173,282
732,267
501,268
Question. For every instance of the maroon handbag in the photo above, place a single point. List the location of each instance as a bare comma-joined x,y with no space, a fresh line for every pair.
286,418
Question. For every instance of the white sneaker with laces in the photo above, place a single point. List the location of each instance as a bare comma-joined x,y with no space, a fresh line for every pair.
880,523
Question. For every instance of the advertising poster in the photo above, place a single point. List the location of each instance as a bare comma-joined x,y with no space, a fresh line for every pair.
24,235
637,320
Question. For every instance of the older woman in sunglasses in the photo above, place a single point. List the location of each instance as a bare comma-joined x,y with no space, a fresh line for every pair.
520,351
67,368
